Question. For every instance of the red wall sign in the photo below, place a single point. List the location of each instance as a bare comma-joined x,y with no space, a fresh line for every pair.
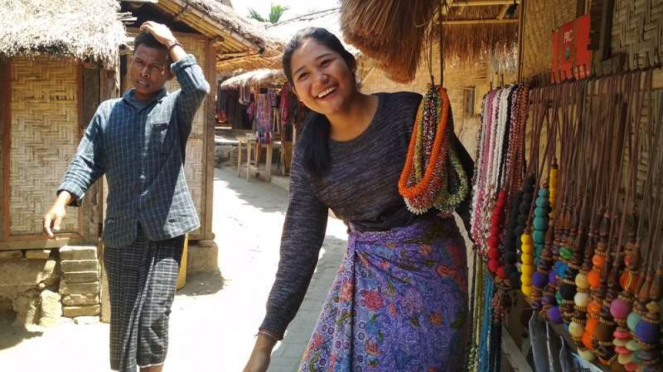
571,55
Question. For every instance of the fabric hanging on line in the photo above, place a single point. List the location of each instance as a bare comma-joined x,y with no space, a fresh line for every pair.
263,118
273,97
221,105
288,103
244,95
230,110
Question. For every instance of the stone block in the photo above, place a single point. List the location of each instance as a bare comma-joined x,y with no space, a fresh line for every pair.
38,254
77,253
11,255
81,300
76,311
80,265
203,259
26,272
67,288
81,276
51,308
27,310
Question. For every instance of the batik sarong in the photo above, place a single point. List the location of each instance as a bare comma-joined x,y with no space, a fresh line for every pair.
398,303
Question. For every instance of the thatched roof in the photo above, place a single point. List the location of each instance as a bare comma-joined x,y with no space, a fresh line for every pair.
327,19
240,42
255,78
471,42
62,28
395,33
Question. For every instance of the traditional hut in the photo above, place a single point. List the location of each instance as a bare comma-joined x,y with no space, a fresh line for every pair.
56,65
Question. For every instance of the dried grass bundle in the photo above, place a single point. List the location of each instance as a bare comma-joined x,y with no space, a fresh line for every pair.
391,32
255,78
497,43
61,28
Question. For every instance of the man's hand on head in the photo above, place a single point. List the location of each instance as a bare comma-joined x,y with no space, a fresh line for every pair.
160,32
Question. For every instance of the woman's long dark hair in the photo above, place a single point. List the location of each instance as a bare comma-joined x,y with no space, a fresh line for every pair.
315,137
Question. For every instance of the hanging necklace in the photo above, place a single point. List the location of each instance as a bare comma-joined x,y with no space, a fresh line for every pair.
424,182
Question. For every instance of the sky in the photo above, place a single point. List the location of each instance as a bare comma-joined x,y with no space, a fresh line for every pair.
297,7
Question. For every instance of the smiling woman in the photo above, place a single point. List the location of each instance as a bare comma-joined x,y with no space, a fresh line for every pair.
398,303
322,74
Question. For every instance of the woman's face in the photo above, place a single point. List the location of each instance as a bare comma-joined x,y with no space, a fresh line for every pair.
322,79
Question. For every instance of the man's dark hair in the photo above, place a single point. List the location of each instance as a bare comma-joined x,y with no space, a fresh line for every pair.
147,39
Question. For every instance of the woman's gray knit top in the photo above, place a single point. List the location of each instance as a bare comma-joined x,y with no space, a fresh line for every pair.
360,186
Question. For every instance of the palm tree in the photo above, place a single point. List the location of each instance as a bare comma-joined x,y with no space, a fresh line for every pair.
275,14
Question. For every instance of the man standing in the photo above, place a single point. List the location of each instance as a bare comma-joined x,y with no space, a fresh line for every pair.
139,142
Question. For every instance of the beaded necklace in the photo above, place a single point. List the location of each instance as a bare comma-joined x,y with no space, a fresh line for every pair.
644,320
620,305
431,160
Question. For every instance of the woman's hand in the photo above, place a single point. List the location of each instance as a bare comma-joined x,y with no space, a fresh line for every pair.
261,355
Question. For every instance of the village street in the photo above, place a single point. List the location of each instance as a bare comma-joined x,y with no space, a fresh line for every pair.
214,317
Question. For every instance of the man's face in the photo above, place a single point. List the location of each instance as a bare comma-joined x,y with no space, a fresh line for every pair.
149,71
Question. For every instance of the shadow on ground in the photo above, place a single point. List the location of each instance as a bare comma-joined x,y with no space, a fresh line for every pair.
202,284
261,196
11,335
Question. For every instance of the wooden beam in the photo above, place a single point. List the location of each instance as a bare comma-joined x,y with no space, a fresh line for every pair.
606,30
479,21
6,145
503,11
463,3
461,9
209,144
227,56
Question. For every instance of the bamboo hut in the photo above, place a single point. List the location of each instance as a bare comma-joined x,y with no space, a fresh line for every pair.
56,65
237,41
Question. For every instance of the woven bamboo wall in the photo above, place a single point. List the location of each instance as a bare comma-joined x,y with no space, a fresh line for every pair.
541,17
195,153
636,31
44,137
2,130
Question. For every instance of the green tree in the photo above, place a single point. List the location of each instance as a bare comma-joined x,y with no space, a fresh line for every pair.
275,14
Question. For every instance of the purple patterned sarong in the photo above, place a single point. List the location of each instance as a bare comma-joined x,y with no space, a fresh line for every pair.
398,303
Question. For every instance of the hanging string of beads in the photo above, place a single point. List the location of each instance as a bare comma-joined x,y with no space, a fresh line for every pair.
431,161
569,228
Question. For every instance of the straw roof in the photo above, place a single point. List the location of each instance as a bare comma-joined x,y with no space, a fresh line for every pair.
240,42
396,33
328,19
61,28
255,78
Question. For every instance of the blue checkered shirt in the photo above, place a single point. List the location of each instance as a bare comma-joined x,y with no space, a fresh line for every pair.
141,150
